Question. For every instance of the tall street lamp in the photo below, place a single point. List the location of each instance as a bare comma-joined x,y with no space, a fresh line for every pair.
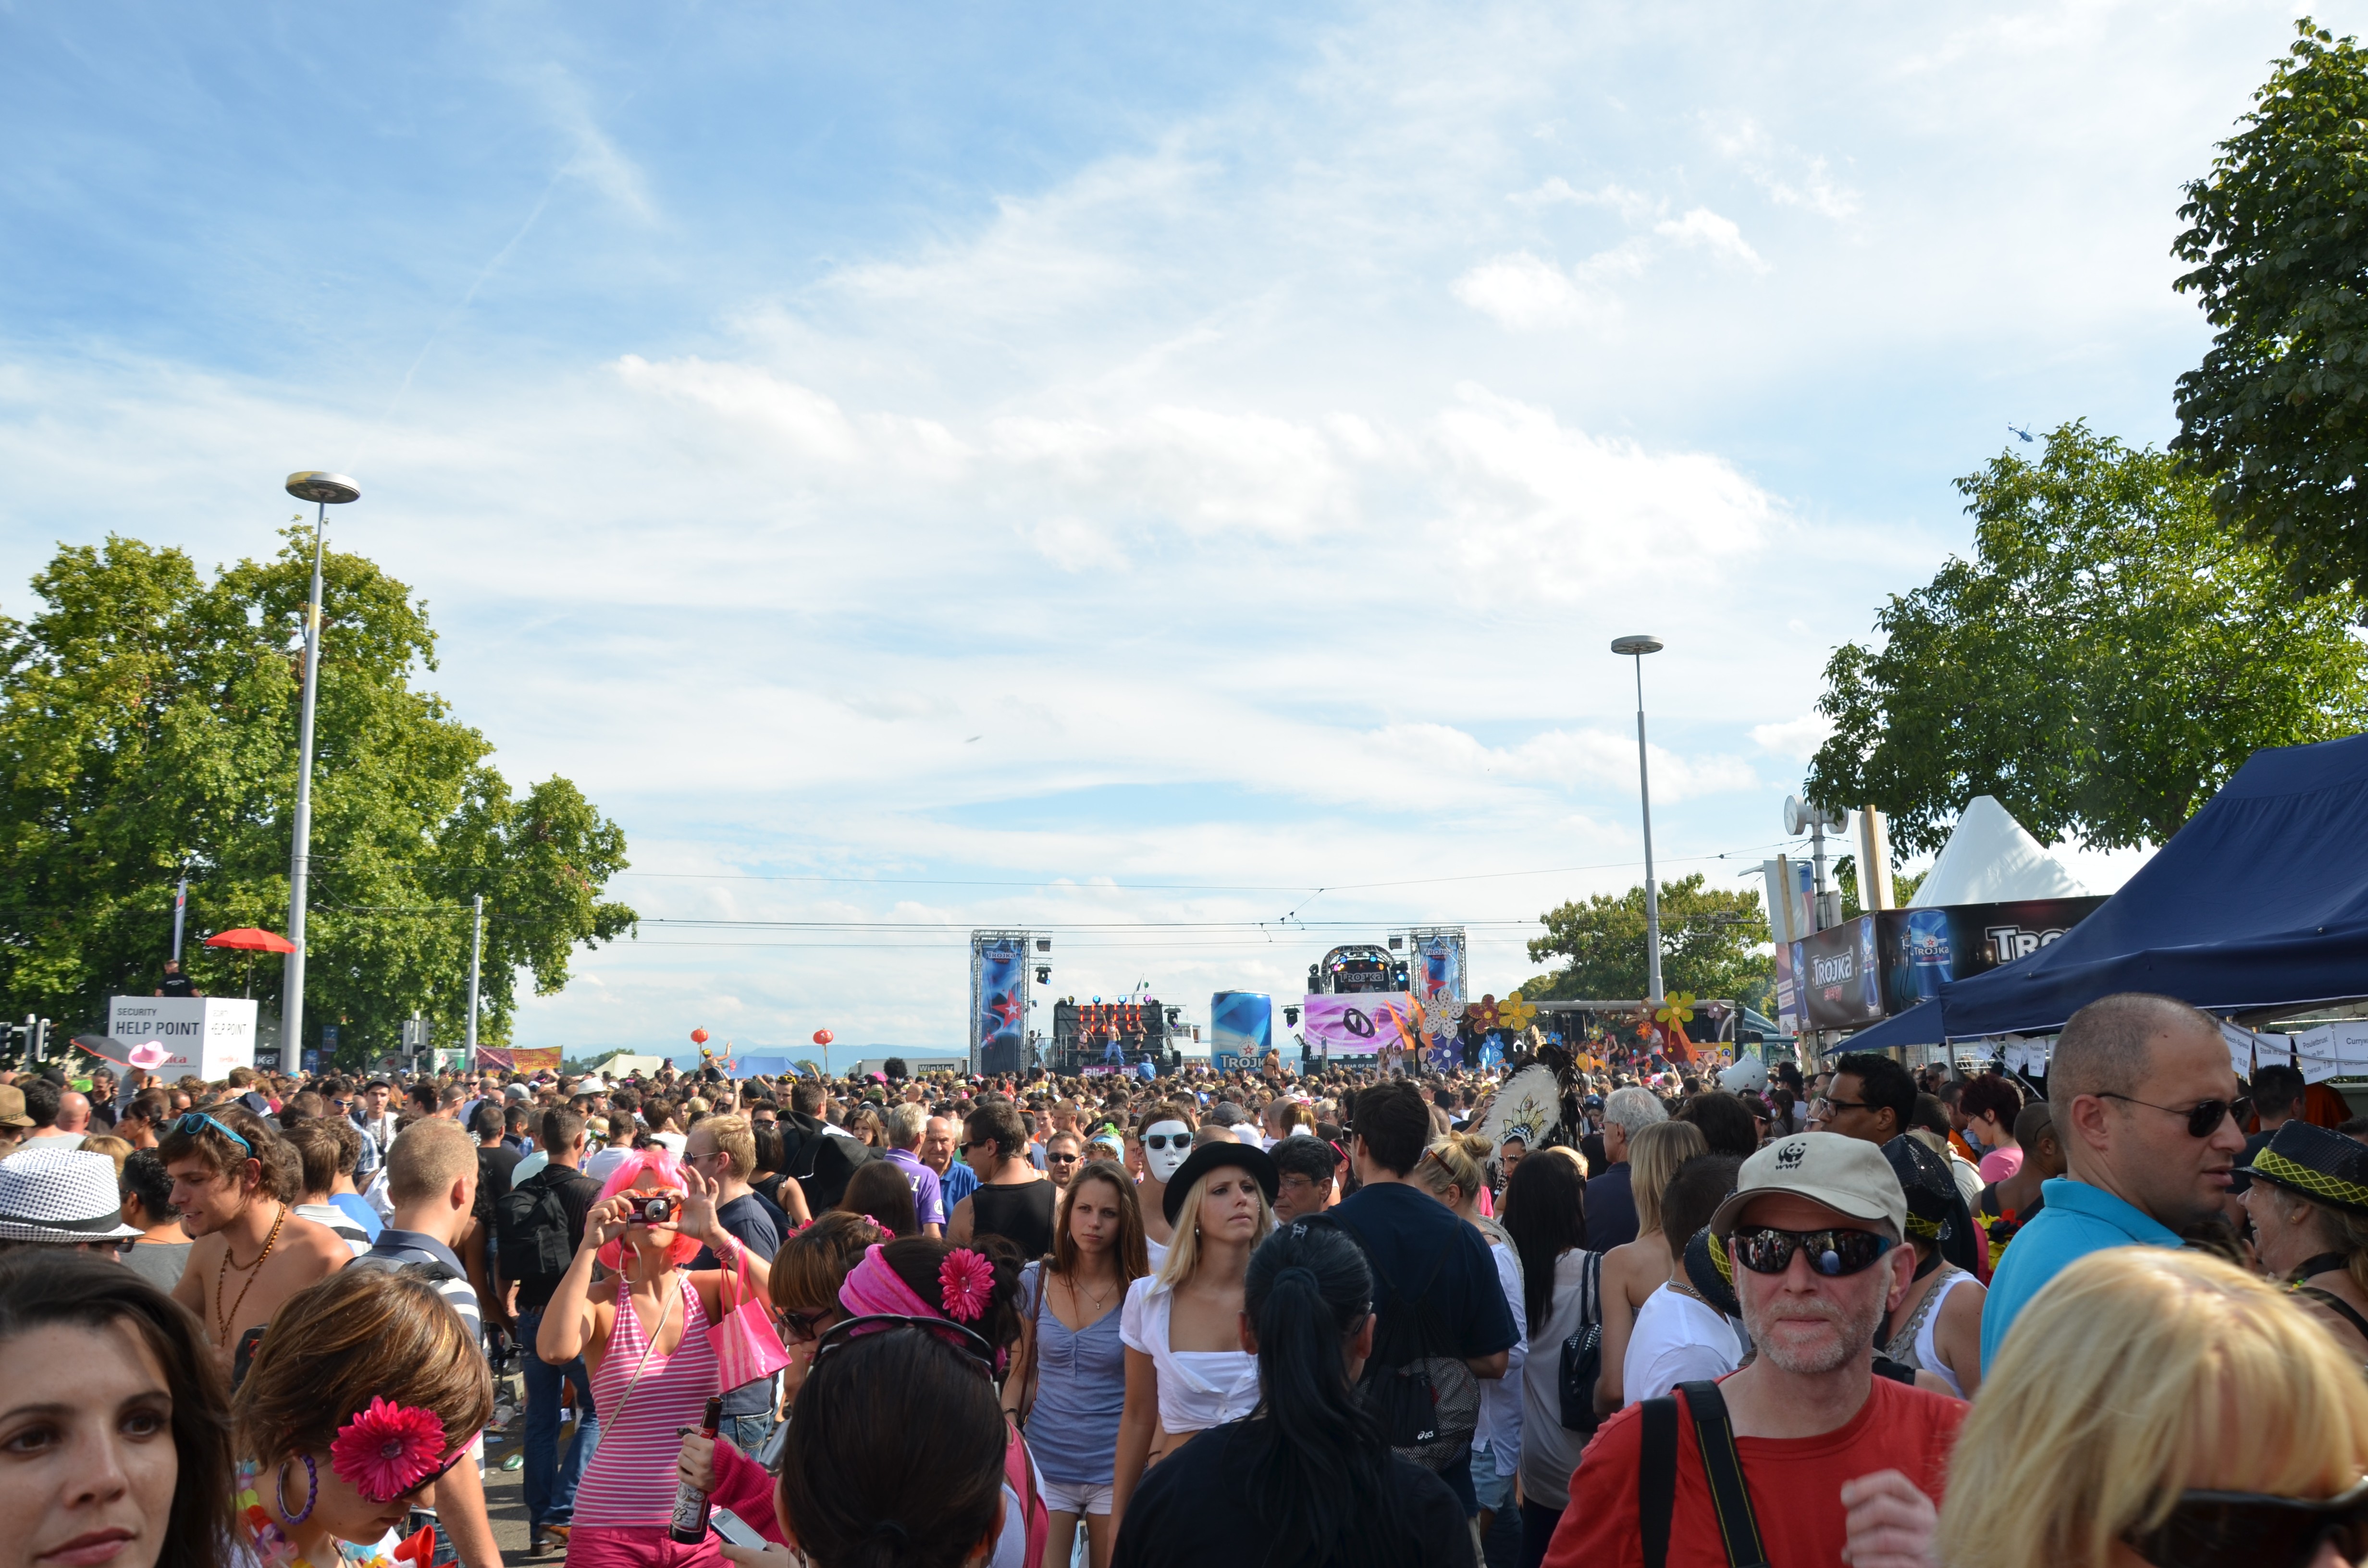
324,490
1636,648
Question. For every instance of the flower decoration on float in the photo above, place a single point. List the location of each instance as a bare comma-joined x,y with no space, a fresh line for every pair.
387,1450
1677,1007
966,1284
1481,1013
1515,1014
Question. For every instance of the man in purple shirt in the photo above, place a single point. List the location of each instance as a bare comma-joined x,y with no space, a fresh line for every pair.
904,1125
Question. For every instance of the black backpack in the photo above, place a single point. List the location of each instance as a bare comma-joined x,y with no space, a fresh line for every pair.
531,1224
1425,1403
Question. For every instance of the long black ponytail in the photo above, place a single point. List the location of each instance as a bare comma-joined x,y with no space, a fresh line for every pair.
1318,1463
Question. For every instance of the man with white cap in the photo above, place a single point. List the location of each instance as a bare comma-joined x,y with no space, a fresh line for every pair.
1803,1456
60,1197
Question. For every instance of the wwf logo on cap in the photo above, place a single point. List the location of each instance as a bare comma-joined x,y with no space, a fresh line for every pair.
1790,1156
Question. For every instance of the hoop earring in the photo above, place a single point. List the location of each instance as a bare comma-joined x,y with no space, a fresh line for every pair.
312,1488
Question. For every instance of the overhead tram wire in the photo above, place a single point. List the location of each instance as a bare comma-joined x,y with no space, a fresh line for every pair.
1072,885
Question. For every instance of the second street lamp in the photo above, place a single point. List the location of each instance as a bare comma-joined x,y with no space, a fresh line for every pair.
1636,647
324,490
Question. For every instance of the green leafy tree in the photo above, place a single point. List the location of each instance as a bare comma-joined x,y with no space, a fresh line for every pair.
2105,660
1712,942
148,730
2277,414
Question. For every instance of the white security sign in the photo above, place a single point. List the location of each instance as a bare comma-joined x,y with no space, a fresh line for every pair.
203,1037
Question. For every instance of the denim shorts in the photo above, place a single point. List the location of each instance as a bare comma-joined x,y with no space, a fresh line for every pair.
1494,1491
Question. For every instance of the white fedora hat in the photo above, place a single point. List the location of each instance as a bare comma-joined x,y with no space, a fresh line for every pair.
61,1195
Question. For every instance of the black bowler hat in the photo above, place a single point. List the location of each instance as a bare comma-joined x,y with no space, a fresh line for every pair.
1209,1157
2324,1166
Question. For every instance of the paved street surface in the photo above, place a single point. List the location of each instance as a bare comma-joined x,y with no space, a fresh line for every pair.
505,1492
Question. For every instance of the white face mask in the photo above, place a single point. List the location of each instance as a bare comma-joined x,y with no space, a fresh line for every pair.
1163,1163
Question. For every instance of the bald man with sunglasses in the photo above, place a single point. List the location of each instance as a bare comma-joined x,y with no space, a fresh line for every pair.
2142,1093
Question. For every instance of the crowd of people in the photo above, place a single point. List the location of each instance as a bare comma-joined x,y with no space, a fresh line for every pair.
1851,1316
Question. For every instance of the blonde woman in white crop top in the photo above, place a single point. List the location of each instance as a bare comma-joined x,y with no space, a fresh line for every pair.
1186,1370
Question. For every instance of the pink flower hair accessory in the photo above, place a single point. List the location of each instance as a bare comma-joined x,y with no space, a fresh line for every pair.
388,1450
966,1284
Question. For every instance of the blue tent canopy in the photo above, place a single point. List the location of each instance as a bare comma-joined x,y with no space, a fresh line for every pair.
1920,1025
2260,901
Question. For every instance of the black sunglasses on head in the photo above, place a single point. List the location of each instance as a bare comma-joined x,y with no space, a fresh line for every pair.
2203,1118
2208,1529
973,1344
1831,1252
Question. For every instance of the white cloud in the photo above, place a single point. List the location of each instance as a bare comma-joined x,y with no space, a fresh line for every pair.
1526,294
596,158
1790,177
1630,204
1569,514
1796,740
1703,229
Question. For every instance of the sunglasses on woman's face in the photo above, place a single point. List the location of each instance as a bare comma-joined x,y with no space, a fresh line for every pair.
1831,1252
2208,1529
802,1325
1168,1140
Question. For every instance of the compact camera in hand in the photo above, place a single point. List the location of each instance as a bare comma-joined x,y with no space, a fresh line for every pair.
660,1209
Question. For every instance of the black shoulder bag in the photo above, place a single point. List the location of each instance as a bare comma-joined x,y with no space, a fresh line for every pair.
1656,1476
1582,1352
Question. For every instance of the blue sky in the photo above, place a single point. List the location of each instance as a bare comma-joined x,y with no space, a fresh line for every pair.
1250,425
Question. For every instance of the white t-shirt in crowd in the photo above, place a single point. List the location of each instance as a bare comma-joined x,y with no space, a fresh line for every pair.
1198,1388
1677,1340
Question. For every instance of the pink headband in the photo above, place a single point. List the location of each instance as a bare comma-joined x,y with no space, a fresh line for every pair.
872,1287
965,1286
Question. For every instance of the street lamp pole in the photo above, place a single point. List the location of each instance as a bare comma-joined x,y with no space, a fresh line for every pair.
1636,648
324,490
476,956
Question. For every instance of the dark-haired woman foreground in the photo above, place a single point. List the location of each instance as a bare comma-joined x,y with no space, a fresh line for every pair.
1306,1479
115,1422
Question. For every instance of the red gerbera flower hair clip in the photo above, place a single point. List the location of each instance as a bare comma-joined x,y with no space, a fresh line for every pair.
966,1284
387,1450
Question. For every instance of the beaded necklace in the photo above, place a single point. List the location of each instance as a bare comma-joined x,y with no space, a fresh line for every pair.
275,1549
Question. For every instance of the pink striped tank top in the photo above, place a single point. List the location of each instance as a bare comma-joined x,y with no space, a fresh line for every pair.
630,1480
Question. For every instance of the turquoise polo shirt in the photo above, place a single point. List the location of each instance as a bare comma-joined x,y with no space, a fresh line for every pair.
2078,1220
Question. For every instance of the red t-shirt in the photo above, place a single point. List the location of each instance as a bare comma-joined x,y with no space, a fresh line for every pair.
1795,1483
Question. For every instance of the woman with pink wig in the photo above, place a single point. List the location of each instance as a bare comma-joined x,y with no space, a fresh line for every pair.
643,1330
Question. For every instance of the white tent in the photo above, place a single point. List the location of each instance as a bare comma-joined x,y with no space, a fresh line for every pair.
1990,860
625,1061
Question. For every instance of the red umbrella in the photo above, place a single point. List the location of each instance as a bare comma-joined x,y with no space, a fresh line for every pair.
252,939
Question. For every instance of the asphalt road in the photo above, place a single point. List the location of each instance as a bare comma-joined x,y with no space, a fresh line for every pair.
505,1491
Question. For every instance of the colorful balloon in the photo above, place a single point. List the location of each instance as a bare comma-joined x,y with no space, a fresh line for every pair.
698,1036
823,1037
